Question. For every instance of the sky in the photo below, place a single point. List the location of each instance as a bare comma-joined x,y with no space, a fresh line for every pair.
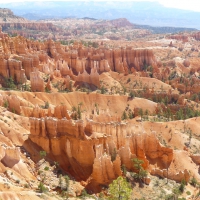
181,4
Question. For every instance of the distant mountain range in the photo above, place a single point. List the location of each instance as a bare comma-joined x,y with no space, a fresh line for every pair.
145,13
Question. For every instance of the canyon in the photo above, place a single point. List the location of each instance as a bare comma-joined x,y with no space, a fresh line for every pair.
86,110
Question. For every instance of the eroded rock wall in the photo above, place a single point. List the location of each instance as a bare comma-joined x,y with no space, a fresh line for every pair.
97,150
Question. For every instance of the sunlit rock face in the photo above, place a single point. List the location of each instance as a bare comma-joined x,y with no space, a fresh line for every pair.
94,149
37,83
23,60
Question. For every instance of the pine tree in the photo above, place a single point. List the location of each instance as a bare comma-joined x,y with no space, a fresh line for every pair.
119,189
141,113
124,115
140,172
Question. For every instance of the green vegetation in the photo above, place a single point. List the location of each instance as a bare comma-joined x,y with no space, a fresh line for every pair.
46,168
5,104
43,154
13,110
12,34
84,194
64,42
124,170
17,181
124,116
131,95
46,106
119,189
42,188
182,186
130,114
141,113
124,89
177,191
172,112
76,112
188,193
103,90
140,172
9,83
193,182
85,43
113,154
26,87
61,87
26,185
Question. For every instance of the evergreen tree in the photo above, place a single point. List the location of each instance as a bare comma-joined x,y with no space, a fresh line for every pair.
130,114
141,113
140,172
124,115
131,94
10,83
119,189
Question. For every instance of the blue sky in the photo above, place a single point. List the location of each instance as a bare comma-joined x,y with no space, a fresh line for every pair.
181,4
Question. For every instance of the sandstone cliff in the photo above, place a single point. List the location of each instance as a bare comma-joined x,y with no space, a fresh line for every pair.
105,146
37,83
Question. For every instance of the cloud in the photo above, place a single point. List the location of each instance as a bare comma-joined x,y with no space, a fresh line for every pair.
182,4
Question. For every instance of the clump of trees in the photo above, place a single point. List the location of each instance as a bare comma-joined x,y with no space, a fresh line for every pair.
125,116
46,105
9,83
120,189
76,112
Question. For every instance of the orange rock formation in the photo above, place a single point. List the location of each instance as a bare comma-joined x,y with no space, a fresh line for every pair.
106,146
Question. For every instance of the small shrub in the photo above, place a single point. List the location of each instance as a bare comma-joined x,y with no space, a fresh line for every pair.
84,193
26,185
46,168
170,197
124,170
103,90
188,193
56,163
101,195
43,154
113,155
47,90
39,172
42,188
156,183
66,182
64,194
131,94
5,104
129,80
13,110
46,106
193,181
